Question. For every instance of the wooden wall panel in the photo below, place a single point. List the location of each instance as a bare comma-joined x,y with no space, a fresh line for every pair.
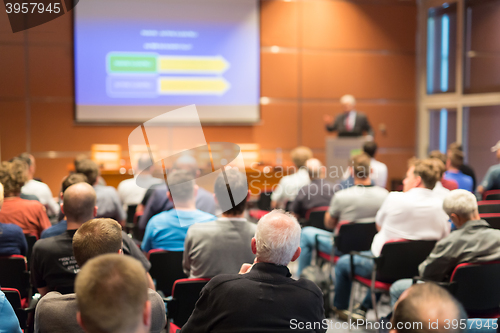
279,23
365,75
279,75
12,74
54,62
358,26
12,128
279,127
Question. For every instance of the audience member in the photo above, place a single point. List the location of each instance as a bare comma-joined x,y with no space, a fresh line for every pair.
112,296
378,170
37,188
415,214
443,186
28,214
491,180
107,201
359,203
223,245
316,194
12,240
130,191
428,308
53,266
453,164
56,313
474,241
289,186
167,230
263,297
62,225
466,169
9,322
158,201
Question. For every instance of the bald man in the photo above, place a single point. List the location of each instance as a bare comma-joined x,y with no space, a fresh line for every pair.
156,199
318,193
426,308
53,266
263,297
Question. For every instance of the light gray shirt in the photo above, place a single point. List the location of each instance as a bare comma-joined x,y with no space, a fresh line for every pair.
218,247
43,193
56,313
289,186
108,203
357,202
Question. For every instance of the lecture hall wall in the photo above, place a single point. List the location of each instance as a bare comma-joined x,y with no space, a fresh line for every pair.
312,52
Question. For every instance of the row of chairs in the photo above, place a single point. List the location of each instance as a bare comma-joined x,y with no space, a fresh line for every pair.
491,195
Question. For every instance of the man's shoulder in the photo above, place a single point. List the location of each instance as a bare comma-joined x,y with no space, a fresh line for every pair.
49,244
11,228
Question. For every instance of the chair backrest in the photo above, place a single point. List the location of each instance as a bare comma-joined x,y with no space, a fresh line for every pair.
31,240
399,259
316,217
491,195
14,274
185,292
166,268
353,236
489,206
131,213
264,202
12,295
476,286
492,218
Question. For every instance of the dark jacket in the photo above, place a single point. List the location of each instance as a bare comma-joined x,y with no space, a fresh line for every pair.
265,299
361,125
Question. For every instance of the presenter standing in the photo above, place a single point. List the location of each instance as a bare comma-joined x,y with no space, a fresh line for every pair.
351,122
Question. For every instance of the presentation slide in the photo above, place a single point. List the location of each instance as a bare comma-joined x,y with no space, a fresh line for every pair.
136,59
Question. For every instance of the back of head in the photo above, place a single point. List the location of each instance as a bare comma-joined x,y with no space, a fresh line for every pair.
370,148
181,185
455,145
425,304
460,202
72,179
277,237
456,158
439,160
111,292
79,202
144,162
236,187
27,158
314,168
428,171
89,168
188,163
300,155
361,166
96,237
13,176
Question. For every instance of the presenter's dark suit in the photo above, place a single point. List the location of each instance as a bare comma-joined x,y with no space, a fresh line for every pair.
266,299
361,125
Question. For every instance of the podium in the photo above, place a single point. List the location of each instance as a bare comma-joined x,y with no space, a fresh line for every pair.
338,152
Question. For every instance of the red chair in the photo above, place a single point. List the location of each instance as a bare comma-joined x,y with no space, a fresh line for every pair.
488,206
399,259
14,274
23,314
476,287
166,268
315,217
185,294
492,218
491,195
263,205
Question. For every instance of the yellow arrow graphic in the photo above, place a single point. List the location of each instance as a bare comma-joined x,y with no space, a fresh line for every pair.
192,86
192,64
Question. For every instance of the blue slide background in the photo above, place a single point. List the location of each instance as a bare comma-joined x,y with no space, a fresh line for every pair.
96,37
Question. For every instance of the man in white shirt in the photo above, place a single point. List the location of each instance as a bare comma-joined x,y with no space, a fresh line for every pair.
38,189
289,186
378,170
132,194
416,214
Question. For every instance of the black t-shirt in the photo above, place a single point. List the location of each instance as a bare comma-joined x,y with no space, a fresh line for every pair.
467,170
54,265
